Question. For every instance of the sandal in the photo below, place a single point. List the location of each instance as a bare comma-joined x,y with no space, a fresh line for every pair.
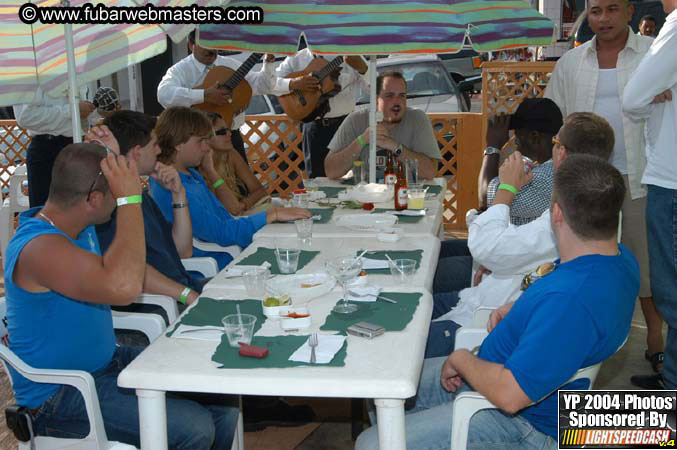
656,359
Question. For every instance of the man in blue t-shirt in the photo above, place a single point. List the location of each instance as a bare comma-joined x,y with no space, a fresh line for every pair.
582,309
183,136
130,133
59,292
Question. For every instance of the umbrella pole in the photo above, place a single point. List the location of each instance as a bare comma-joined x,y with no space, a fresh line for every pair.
72,88
372,118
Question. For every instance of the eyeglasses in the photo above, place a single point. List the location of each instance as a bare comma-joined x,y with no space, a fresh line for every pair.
222,131
108,151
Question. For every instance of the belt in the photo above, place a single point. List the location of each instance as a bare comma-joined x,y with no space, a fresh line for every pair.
330,120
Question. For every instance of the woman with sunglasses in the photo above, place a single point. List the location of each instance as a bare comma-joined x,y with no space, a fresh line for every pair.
243,189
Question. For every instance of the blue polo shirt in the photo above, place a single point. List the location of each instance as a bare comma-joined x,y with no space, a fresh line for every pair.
577,316
211,220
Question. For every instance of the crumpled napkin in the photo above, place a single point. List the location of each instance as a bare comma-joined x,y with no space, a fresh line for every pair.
316,195
366,293
327,346
206,333
368,263
237,271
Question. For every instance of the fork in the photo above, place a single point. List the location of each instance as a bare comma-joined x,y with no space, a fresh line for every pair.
205,328
312,341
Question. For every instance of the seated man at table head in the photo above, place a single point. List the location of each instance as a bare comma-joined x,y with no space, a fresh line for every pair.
183,135
59,291
404,131
507,251
583,308
131,134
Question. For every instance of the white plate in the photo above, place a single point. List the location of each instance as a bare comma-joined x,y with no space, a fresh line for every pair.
371,193
321,283
367,222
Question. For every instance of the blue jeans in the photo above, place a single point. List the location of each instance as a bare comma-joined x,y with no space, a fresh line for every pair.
443,302
193,422
661,227
454,267
441,338
428,424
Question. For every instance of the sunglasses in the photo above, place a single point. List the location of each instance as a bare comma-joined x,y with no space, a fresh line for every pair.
556,141
222,131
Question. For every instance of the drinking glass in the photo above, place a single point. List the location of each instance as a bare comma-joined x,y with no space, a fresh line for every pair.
255,281
345,269
304,231
411,166
239,328
402,270
287,259
416,194
359,172
309,183
301,200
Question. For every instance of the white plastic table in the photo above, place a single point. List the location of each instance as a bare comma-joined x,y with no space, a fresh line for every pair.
373,369
331,247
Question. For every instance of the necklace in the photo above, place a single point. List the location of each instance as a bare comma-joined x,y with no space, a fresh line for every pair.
44,216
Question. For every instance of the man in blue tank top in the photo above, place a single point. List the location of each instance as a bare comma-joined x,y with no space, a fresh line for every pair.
59,291
582,309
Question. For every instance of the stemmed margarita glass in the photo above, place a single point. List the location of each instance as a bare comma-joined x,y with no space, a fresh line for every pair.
344,269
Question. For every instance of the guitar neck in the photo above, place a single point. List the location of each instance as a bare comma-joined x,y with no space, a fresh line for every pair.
242,71
329,68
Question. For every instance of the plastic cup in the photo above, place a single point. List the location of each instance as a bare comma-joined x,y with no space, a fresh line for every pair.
412,171
304,231
416,198
255,281
359,172
239,328
402,270
287,259
300,200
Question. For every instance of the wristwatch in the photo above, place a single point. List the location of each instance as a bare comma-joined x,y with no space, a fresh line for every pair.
491,151
398,151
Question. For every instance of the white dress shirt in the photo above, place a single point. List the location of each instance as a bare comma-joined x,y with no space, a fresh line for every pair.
350,80
510,252
47,115
573,85
177,86
656,73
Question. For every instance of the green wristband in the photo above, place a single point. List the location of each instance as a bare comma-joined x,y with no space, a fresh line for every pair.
183,297
217,183
130,200
508,187
361,141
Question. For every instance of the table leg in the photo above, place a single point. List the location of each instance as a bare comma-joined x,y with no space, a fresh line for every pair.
152,419
390,419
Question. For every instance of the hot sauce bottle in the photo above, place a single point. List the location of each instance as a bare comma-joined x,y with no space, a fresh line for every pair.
389,174
401,197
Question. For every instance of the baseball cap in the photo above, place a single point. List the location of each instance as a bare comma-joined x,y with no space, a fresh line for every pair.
537,114
106,98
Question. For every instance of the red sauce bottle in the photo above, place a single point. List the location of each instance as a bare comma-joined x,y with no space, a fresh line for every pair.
401,197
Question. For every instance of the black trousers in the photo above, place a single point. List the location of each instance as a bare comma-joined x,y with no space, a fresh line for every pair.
316,137
238,144
40,157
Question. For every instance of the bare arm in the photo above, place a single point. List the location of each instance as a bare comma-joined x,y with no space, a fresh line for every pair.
427,166
497,136
492,380
51,262
338,163
254,186
156,283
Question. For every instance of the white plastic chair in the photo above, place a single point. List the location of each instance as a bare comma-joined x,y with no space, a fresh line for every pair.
233,250
204,264
466,404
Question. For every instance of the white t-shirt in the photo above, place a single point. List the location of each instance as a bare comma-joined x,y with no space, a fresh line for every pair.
608,105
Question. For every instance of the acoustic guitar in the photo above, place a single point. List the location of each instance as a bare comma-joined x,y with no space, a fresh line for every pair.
233,80
308,104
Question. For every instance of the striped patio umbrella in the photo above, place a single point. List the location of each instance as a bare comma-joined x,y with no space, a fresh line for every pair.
383,26
35,55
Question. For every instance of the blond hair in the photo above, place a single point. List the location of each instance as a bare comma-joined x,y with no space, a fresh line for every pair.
175,126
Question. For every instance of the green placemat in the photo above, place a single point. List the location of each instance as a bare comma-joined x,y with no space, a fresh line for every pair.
326,214
280,348
433,189
332,192
392,317
268,254
394,254
210,312
400,219
348,181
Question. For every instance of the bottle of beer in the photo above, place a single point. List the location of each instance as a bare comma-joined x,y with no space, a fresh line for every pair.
390,175
401,197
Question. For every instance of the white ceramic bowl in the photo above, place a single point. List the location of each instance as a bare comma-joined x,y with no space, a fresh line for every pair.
392,234
290,323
